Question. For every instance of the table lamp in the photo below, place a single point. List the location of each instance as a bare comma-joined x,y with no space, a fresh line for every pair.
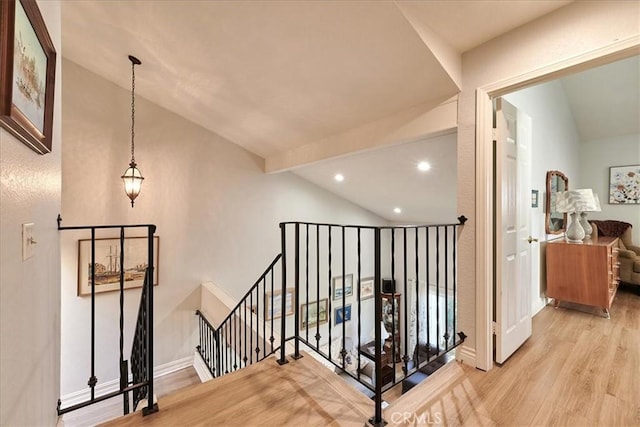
576,202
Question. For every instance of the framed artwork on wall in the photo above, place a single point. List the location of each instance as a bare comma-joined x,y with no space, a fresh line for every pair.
342,314
27,74
624,185
107,264
273,305
367,288
338,287
315,313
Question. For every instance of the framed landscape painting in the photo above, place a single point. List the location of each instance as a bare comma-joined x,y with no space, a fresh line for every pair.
27,74
339,288
107,264
273,304
314,313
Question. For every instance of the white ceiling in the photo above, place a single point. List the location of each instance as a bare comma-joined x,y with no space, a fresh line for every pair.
384,179
605,101
273,76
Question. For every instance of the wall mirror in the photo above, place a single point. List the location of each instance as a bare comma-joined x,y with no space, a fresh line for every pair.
555,222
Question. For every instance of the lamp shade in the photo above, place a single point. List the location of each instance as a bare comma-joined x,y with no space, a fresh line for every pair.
582,200
132,179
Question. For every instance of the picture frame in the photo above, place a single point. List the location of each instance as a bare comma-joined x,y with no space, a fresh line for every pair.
624,185
342,314
367,288
338,288
27,74
275,311
107,261
534,198
318,313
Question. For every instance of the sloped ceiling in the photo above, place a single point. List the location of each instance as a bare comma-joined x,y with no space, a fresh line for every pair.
605,101
272,76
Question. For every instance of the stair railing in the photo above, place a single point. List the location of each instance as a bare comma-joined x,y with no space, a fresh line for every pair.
142,351
372,294
248,333
354,295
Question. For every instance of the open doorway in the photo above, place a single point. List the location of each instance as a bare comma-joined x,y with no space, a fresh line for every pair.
485,160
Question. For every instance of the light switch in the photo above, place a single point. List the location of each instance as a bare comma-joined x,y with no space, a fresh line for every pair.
28,241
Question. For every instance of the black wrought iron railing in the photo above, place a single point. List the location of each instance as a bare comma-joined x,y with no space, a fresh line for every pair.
356,296
100,273
248,333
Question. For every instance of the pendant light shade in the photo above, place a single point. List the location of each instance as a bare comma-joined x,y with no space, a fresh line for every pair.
132,177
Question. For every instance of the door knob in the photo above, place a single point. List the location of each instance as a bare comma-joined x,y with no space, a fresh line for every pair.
531,239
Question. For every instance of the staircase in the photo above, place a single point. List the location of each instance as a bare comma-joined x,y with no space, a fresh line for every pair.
324,292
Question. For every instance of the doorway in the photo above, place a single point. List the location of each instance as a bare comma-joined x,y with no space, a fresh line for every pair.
486,234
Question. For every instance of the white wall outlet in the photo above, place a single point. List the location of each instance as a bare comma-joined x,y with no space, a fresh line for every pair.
28,241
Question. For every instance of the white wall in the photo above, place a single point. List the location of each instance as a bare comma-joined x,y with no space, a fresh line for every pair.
555,146
576,29
596,157
29,290
217,214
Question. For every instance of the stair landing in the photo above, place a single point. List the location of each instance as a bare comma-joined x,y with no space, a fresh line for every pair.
301,393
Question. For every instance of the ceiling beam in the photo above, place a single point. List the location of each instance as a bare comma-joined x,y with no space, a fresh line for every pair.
406,126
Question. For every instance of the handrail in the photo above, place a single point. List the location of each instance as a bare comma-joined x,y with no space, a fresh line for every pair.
230,345
413,258
250,291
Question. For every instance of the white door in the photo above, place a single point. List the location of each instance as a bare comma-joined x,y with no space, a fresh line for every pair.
513,225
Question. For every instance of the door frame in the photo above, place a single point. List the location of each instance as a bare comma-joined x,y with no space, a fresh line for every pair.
485,233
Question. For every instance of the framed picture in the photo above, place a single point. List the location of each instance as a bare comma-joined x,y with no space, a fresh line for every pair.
27,74
342,314
317,312
275,311
107,265
534,198
338,288
624,185
367,288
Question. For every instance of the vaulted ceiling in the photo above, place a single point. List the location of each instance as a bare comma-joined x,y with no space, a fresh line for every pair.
280,76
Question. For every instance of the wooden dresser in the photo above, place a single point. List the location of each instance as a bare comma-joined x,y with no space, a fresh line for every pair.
584,273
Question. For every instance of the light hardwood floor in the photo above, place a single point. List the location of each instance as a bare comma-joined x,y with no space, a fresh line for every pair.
577,369
112,408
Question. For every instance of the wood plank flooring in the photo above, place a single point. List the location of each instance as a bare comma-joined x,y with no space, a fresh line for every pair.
112,408
578,369
300,393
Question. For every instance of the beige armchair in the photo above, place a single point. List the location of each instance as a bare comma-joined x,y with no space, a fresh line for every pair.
628,253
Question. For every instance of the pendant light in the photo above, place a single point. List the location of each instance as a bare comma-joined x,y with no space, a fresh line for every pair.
132,177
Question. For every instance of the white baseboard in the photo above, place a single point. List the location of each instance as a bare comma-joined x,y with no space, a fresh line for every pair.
201,368
466,355
114,385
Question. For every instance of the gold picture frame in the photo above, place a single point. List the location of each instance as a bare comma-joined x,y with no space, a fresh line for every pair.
318,313
275,311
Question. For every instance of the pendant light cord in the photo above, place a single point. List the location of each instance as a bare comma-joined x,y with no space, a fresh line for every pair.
133,110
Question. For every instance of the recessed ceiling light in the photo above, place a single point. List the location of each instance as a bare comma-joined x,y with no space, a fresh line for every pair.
339,177
424,166
397,210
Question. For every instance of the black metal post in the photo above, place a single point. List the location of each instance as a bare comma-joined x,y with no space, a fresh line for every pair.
296,313
151,406
283,330
377,420
93,380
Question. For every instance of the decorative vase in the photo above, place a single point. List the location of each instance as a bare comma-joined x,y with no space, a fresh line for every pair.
575,232
588,229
